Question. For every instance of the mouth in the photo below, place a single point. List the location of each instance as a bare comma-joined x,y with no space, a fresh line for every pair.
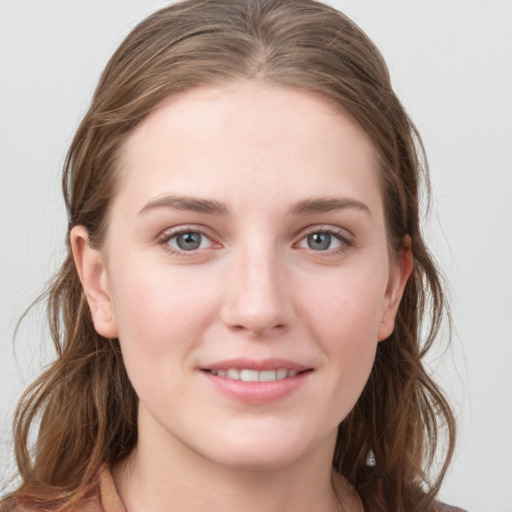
251,375
257,381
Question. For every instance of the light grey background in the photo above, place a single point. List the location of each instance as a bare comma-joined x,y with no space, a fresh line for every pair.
451,63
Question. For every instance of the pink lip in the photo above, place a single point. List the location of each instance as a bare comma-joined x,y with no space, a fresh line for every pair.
257,392
260,365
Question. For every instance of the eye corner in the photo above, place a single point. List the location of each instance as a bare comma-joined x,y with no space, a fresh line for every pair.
325,241
187,241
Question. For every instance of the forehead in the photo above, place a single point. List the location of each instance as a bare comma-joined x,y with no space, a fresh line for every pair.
222,140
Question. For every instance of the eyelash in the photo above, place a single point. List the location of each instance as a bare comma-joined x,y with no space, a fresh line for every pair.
340,235
345,241
167,236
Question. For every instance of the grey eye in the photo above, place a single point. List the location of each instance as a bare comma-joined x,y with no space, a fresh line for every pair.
322,241
189,241
186,241
319,241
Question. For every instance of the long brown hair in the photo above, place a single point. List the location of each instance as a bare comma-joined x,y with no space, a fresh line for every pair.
84,405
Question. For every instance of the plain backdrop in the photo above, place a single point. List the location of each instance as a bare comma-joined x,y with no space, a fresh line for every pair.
451,64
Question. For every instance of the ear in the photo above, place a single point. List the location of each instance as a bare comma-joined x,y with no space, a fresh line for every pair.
93,275
401,268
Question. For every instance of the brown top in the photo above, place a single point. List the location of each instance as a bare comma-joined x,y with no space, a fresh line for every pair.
106,499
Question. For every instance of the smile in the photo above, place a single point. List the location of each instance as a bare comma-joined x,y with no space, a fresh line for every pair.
250,375
257,386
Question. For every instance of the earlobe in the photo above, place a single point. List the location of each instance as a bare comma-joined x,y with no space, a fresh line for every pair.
93,275
399,274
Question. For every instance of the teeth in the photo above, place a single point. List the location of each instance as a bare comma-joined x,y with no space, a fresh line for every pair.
233,373
282,373
267,376
247,375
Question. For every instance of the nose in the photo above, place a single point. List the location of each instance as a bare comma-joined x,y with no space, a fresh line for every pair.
257,296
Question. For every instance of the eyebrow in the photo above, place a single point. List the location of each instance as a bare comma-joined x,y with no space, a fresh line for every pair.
210,206
327,204
193,204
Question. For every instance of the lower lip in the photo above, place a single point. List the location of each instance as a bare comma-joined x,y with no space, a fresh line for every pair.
258,392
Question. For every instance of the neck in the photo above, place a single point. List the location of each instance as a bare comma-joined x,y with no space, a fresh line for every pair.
157,478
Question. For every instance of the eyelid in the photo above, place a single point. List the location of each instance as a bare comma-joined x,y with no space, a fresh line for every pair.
170,233
345,237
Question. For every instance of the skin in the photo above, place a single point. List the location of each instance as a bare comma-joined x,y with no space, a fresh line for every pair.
285,170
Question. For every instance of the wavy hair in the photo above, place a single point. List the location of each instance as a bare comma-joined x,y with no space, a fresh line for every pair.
83,406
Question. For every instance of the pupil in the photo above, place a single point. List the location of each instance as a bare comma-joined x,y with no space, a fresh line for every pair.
319,241
189,241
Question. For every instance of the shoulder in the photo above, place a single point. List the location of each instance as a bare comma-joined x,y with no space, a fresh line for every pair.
103,497
437,506
107,492
374,498
90,505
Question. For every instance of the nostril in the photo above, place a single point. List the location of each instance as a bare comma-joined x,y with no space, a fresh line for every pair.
259,330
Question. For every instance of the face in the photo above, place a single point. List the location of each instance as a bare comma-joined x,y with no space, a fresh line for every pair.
246,273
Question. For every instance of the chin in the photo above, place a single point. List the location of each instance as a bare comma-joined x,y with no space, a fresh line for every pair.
257,459
265,451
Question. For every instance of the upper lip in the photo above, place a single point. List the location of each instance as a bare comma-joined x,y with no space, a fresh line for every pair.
256,364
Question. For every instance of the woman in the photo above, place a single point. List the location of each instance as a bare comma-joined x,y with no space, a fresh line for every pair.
238,317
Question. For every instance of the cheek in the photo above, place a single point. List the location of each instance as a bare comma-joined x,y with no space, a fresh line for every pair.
346,322
161,318
158,310
348,308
